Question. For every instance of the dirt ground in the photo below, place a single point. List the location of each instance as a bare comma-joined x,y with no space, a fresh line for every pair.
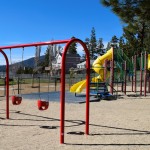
28,88
122,124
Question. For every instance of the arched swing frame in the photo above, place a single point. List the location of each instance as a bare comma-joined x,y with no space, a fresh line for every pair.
6,82
63,67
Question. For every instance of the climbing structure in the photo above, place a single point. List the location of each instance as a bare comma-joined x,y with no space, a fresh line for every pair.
98,84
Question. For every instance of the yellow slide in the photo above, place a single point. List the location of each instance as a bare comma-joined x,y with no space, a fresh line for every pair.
148,66
98,68
78,87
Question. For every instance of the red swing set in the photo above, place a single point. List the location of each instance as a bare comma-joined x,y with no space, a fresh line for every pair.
62,92
16,99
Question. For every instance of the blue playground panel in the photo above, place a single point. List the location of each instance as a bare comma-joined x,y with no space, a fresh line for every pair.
55,96
102,95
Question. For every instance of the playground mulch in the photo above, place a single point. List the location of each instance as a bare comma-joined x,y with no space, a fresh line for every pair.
122,124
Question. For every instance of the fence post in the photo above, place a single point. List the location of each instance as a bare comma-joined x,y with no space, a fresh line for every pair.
141,73
125,76
105,70
145,72
135,61
112,72
133,73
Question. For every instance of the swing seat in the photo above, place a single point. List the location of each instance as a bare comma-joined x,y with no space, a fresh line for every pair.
42,105
16,100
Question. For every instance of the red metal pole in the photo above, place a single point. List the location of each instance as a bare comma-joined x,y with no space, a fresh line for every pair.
110,77
141,73
62,97
35,44
105,70
125,76
145,73
122,83
148,81
112,72
7,84
135,73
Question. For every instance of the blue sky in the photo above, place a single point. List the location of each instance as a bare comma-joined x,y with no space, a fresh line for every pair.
27,21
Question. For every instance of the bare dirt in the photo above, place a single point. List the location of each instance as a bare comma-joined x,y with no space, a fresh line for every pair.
122,124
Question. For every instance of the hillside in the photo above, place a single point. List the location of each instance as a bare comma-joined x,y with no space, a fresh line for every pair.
26,63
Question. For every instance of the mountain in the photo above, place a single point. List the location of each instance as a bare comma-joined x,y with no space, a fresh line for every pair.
26,63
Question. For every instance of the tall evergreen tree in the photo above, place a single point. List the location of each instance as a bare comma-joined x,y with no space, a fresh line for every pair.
87,42
95,47
108,46
125,46
100,46
114,41
73,48
122,43
37,56
93,44
136,16
48,55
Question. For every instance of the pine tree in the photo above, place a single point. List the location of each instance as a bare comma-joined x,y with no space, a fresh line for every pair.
108,46
122,43
73,48
95,47
100,46
136,16
37,56
48,55
93,44
87,42
114,41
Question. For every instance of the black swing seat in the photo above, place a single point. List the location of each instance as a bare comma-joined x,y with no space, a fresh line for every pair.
42,105
16,100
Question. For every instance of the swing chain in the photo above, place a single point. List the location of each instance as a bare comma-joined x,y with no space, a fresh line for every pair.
49,85
13,90
22,64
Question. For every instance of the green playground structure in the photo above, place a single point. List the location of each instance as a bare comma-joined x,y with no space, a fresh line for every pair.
114,69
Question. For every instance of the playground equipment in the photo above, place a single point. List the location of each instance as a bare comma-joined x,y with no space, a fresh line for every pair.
97,66
97,84
144,63
17,99
130,67
113,68
7,82
148,61
43,104
62,95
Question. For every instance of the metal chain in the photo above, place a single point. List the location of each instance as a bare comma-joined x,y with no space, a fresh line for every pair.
48,85
22,70
13,90
39,86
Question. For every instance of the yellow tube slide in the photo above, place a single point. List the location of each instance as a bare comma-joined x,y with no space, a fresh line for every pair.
98,64
98,68
78,87
148,66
